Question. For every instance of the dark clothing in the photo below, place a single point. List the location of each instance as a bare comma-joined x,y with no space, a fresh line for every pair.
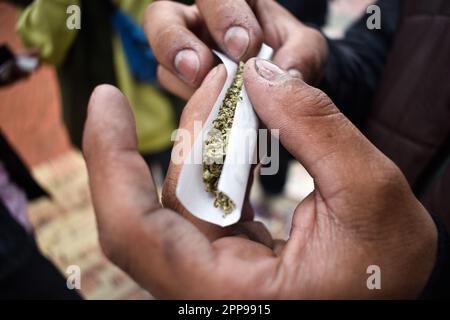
412,126
273,185
395,85
20,176
438,286
311,12
15,244
160,159
356,62
24,272
314,13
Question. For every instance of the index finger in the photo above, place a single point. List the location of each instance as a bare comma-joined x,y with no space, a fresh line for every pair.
168,28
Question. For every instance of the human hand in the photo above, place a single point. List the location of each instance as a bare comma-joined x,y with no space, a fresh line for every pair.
181,36
361,213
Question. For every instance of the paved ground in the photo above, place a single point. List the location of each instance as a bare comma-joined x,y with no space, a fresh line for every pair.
65,224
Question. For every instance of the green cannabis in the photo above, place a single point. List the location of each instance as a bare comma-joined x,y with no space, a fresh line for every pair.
215,144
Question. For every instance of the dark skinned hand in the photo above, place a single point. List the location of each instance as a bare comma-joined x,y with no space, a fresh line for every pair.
362,211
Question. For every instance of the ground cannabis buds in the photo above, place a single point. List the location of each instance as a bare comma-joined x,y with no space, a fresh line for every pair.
215,144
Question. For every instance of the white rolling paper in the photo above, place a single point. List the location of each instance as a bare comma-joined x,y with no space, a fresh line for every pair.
240,154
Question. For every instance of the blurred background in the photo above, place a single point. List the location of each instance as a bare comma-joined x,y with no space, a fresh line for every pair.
40,119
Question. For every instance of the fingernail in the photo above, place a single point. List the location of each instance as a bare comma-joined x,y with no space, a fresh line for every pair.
237,40
187,64
268,70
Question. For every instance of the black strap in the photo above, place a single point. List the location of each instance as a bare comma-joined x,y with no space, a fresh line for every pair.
17,170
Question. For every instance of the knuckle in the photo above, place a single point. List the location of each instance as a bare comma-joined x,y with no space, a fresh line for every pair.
392,176
114,242
387,180
172,39
316,98
157,31
154,9
149,13
106,247
309,101
110,247
164,36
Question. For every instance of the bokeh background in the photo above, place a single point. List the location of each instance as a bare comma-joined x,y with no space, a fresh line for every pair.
30,117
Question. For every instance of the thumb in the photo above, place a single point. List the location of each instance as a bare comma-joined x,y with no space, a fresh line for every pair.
311,128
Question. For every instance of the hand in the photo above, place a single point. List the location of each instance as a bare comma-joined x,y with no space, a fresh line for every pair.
181,36
361,213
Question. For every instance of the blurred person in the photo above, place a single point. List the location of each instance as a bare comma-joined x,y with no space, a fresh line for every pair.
390,81
362,212
24,272
110,47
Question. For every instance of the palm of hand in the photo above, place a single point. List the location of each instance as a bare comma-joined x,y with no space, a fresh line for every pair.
349,222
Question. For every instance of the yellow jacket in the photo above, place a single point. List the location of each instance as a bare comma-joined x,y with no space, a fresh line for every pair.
42,25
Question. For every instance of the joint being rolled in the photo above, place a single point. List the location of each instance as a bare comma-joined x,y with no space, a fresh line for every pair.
216,142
